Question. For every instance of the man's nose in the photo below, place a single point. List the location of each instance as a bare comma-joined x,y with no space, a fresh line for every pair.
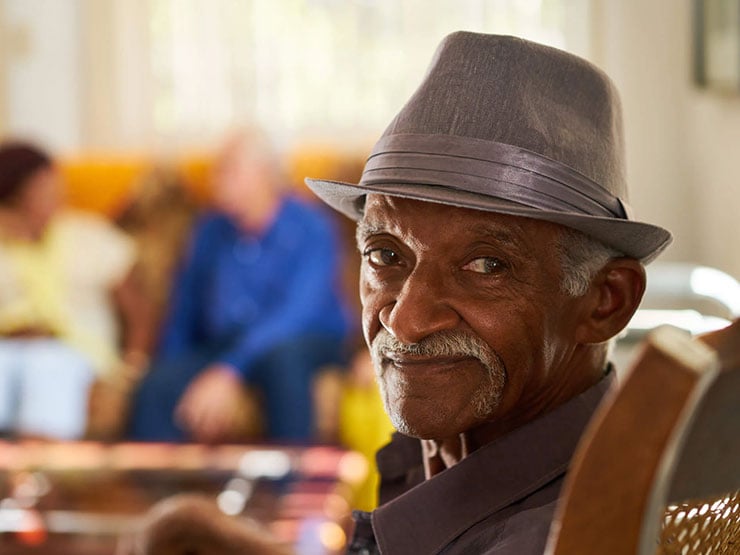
421,308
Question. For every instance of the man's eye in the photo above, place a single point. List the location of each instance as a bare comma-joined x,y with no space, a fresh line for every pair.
485,265
381,257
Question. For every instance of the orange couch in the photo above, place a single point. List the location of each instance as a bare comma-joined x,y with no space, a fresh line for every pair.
104,182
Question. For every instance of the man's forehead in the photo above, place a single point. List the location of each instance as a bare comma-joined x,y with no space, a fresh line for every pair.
387,209
390,214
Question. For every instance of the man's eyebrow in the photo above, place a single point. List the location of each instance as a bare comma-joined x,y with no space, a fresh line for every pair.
365,230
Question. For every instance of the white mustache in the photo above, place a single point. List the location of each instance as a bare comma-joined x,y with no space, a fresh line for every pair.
440,344
446,344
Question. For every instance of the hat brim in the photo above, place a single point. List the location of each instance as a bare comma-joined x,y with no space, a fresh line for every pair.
635,239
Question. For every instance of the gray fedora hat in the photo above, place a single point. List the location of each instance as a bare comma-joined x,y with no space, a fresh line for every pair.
505,125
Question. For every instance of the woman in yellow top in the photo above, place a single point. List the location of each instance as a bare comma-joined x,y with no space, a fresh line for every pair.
65,284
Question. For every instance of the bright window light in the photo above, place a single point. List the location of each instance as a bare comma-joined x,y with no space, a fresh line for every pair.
718,285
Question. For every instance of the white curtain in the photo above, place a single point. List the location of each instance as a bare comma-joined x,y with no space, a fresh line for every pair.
173,74
334,70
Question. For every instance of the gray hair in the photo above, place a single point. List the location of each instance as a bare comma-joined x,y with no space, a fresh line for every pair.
581,258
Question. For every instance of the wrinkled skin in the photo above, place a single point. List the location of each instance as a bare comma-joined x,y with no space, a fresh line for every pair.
432,269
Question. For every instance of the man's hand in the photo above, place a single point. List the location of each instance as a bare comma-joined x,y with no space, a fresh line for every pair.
213,407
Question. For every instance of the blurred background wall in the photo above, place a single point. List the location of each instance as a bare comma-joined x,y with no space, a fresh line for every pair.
159,76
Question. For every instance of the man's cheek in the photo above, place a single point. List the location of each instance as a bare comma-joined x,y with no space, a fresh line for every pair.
370,312
365,294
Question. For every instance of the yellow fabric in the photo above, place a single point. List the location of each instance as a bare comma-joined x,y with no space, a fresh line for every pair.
364,427
51,284
36,269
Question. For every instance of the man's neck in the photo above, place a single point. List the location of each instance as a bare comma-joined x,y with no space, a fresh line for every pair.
440,454
258,219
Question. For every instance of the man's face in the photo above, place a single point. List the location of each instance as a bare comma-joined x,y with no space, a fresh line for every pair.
242,180
464,314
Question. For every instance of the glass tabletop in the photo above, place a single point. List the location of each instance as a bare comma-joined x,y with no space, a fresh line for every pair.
81,498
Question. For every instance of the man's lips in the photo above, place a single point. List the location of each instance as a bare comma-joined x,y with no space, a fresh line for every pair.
416,362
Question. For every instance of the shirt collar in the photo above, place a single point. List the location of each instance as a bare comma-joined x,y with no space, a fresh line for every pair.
435,512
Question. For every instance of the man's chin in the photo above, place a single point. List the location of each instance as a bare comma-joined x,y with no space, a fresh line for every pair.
422,428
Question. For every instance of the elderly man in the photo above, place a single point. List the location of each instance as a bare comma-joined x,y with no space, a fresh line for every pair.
499,259
254,302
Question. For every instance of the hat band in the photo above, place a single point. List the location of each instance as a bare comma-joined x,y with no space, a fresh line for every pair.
488,168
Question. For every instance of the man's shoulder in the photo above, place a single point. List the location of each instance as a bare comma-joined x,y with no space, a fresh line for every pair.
473,521
212,219
307,213
524,532
211,227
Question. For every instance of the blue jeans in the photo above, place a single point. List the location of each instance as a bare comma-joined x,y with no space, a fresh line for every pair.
283,376
44,387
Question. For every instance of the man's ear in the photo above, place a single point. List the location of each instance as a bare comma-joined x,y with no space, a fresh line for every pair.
614,295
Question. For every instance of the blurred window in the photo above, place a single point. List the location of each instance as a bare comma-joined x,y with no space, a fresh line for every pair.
319,68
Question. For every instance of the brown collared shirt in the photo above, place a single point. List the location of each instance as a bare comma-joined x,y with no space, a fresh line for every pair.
499,500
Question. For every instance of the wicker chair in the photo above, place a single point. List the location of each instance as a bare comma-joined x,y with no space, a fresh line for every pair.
658,470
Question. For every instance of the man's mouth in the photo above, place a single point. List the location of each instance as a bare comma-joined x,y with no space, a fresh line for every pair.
406,361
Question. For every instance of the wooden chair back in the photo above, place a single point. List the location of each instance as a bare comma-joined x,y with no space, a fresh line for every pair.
658,468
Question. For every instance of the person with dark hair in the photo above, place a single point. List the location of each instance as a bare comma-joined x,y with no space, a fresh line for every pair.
500,258
63,286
